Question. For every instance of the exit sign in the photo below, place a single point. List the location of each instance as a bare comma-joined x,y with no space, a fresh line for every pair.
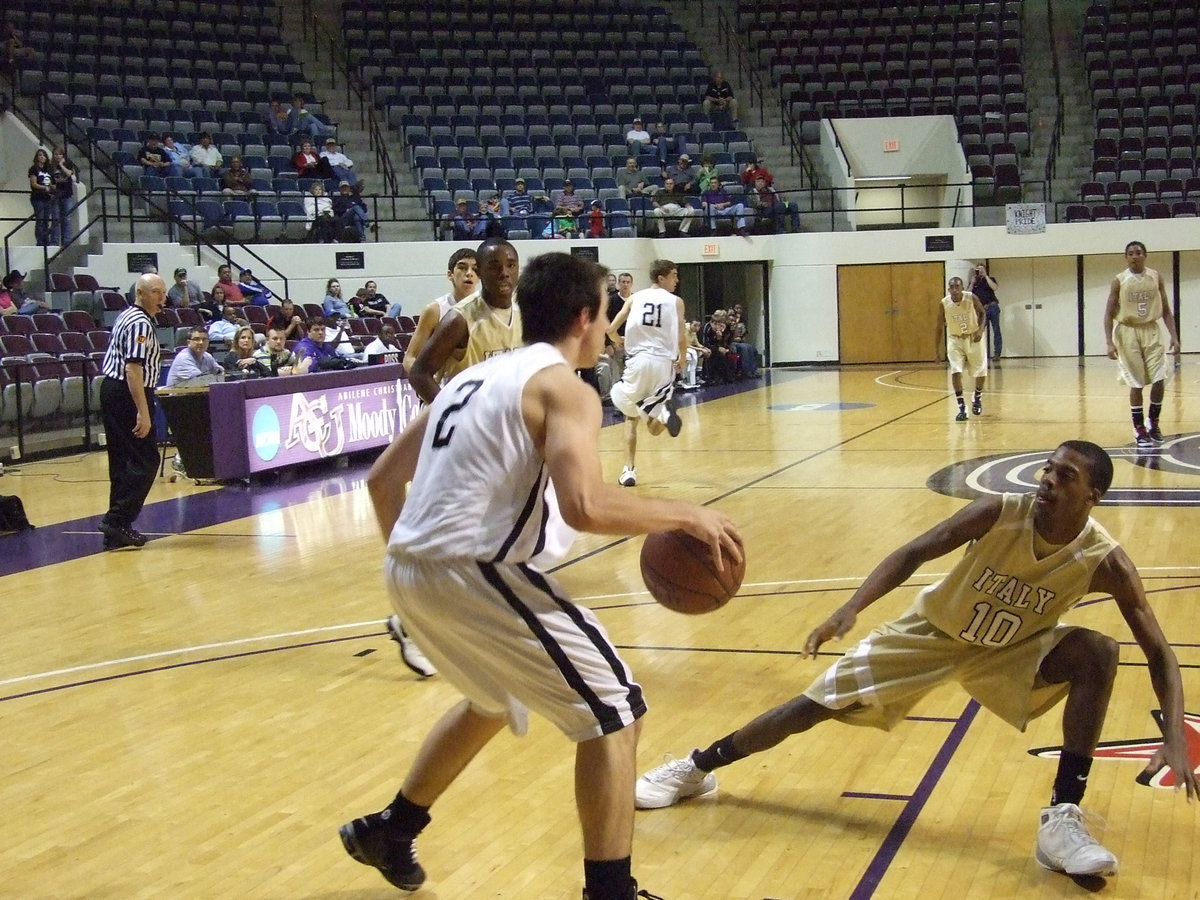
710,250
891,145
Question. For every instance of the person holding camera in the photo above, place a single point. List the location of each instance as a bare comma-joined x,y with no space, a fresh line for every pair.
984,287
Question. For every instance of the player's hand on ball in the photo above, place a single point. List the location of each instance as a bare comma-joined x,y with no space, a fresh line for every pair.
835,626
720,533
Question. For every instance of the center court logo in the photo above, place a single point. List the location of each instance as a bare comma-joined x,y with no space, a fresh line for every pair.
1178,458
265,433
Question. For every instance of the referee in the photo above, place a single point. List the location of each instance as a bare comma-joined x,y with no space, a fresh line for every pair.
131,367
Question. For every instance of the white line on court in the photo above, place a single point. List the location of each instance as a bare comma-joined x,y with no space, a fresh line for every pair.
378,623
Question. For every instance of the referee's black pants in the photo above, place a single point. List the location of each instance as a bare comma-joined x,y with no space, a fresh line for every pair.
132,461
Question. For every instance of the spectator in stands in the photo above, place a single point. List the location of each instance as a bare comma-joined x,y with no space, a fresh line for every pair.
632,180
754,170
684,175
206,159
706,172
341,342
240,359
671,204
369,302
722,364
11,48
153,158
193,361
41,196
277,119
178,155
637,137
351,211
595,221
63,177
318,209
385,342
304,120
233,294
237,181
309,164
664,145
7,306
289,320
718,96
492,212
211,308
22,303
562,225
255,292
719,205
225,329
183,292
569,200
333,304
518,201
277,359
466,225
770,208
697,354
311,350
339,163
739,342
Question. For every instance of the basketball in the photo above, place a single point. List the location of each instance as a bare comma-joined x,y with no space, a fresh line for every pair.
680,573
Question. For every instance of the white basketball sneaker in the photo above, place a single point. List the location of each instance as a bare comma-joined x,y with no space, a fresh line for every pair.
674,780
1064,843
628,477
410,653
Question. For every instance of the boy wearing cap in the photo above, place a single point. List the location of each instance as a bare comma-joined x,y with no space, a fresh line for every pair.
637,137
518,202
684,175
467,225
339,163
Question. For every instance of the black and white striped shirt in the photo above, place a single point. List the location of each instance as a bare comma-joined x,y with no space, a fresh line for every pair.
133,338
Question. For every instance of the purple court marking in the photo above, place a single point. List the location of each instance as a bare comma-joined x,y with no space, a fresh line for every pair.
862,795
77,538
886,854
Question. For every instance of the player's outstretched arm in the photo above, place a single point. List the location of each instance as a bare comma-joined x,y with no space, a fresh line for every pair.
968,524
451,332
563,416
1118,576
428,320
387,482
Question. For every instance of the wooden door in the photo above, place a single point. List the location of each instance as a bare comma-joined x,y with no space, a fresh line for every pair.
865,313
888,313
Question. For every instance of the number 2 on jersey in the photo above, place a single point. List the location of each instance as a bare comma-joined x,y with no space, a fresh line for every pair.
445,425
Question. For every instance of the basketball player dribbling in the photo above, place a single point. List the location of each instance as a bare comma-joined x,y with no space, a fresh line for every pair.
467,547
991,625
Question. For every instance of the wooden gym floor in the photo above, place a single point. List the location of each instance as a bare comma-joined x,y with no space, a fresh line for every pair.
195,719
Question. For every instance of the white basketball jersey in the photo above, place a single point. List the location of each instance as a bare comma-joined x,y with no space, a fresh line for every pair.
653,323
480,488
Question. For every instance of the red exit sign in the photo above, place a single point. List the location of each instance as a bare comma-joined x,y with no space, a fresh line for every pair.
891,145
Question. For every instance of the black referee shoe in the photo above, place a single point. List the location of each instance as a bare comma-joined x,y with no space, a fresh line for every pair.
118,536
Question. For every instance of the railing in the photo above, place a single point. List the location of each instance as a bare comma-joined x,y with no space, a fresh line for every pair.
340,63
1060,106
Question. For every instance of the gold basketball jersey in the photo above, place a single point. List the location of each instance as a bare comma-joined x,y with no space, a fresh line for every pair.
1001,593
961,320
1138,301
491,331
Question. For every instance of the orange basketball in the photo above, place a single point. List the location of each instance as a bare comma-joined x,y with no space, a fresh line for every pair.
680,573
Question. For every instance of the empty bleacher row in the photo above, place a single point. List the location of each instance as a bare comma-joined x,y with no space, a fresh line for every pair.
475,118
936,57
1143,71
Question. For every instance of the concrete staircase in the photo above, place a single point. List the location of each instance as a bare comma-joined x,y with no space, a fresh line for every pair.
329,85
